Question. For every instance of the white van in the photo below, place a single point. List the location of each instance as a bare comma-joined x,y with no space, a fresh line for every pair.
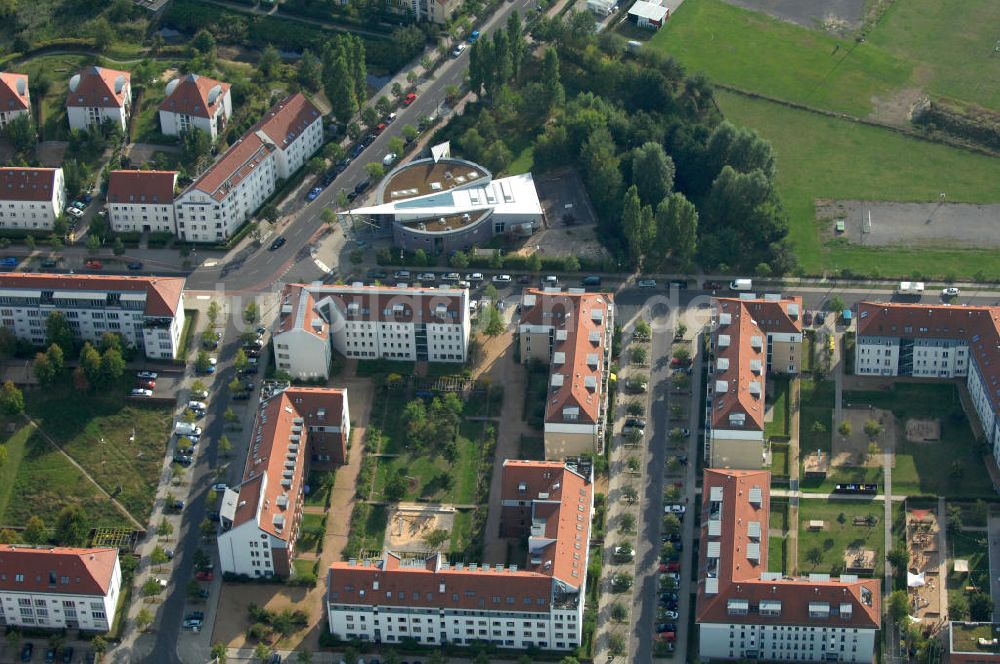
741,285
185,429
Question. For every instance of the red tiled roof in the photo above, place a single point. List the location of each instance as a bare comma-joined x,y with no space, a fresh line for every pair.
26,184
269,448
13,92
163,294
288,119
142,187
562,499
301,300
979,327
61,570
434,584
191,95
573,314
238,162
739,351
739,577
98,87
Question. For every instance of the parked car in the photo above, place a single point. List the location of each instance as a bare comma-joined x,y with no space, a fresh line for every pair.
409,98
361,186
67,654
680,284
27,650
277,244
219,487
474,36
426,276
674,508
621,553
152,375
313,193
241,396
452,276
142,392
820,318
670,615
134,265
93,264
592,280
50,262
193,624
636,422
197,405
176,505
459,49
183,459
501,278
73,212
147,384
203,575
475,276
951,291
50,656
807,318
646,283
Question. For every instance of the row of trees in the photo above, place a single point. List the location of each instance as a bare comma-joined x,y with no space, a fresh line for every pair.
344,75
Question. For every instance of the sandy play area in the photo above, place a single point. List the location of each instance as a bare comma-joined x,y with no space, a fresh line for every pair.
410,523
923,430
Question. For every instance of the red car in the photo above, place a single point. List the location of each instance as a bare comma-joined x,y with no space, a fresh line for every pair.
409,98
678,362
203,576
93,265
379,129
672,566
147,384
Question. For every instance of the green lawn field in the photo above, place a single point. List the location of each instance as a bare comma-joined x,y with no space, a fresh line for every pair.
822,157
839,532
756,52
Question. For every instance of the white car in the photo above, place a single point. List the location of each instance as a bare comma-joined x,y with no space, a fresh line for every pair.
452,276
464,284
475,276
150,375
501,278
388,159
675,508
73,212
459,49
669,615
197,405
220,487
203,394
426,276
646,283
950,292
550,280
140,392
474,306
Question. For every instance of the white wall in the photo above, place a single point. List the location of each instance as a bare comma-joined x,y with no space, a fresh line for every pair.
302,354
172,124
35,215
780,643
295,155
52,610
200,218
877,355
134,217
9,116
81,118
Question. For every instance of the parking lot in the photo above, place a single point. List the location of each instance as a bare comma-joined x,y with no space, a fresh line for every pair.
570,226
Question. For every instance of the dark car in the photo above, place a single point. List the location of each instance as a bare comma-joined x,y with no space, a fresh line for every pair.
681,284
666,627
275,658
358,149
820,318
67,657
313,193
49,262
592,280
277,244
377,274
342,165
213,516
241,396
134,265
50,656
361,186
635,422
27,650
183,459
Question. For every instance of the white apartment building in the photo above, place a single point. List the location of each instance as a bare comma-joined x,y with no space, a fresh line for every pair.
195,102
936,341
234,187
148,312
752,338
260,518
428,600
142,201
15,100
572,332
31,198
97,95
58,588
369,322
745,612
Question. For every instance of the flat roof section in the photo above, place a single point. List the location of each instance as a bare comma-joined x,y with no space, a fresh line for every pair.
426,177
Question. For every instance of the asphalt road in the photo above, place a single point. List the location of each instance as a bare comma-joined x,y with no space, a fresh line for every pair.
263,268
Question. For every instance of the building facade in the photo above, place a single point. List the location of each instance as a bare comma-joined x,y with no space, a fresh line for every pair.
148,312
936,342
142,201
31,198
58,588
369,322
572,333
195,102
227,195
751,338
98,95
426,599
260,518
745,612
15,99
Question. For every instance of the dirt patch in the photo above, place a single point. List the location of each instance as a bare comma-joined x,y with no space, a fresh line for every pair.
570,225
837,16
410,523
852,450
50,153
859,561
896,108
168,74
923,431
937,224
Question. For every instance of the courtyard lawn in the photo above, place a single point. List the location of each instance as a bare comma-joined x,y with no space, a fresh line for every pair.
779,460
15,444
320,484
971,546
367,530
822,157
779,514
46,482
94,429
778,426
461,531
952,467
387,408
776,554
433,477
951,41
820,551
756,52
313,531
58,69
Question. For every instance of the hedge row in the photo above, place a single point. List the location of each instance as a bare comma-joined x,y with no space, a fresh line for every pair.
190,16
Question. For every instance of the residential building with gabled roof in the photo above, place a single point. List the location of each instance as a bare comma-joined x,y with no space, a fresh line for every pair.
15,98
936,341
231,190
195,102
260,517
745,612
751,337
425,598
45,587
571,331
142,201
369,322
31,198
97,95
148,312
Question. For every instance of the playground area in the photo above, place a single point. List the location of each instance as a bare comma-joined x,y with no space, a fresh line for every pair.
411,523
923,578
853,449
923,430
